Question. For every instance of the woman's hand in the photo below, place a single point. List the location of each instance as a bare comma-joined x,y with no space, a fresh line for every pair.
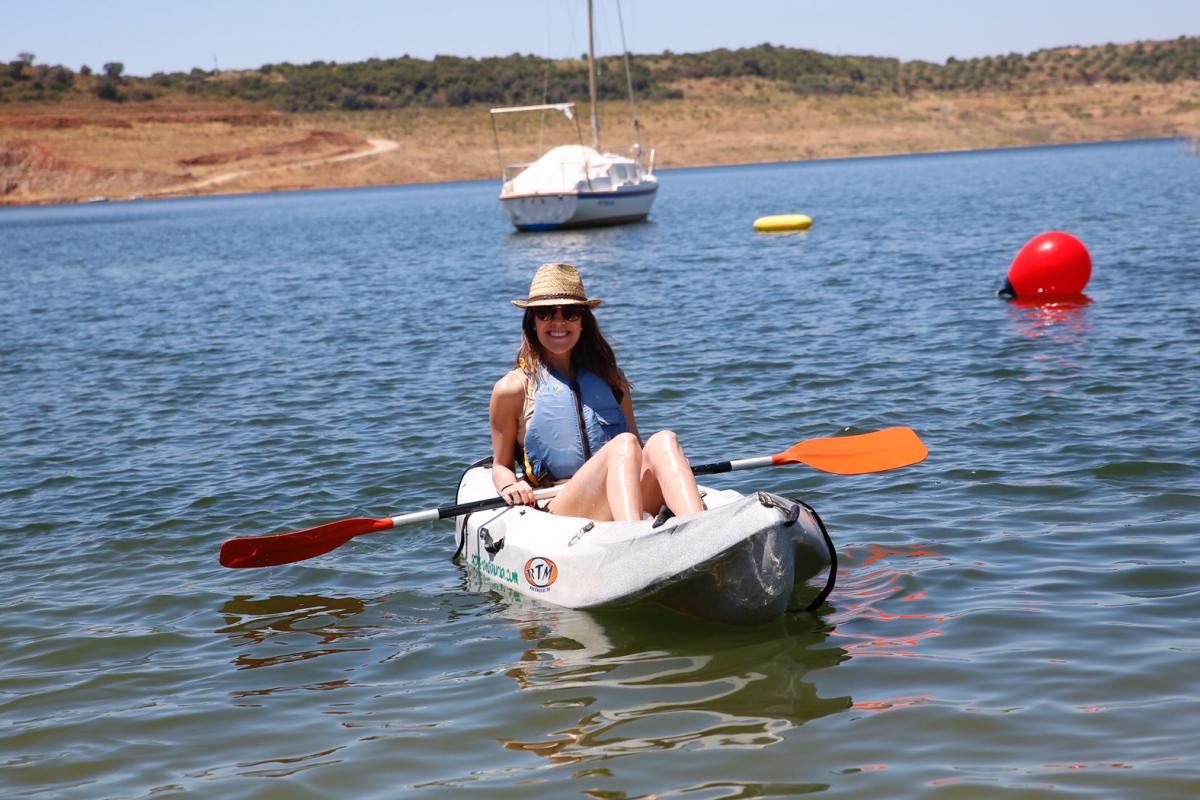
519,493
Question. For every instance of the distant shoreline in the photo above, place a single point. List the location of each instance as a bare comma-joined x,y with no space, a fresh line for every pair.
1183,140
73,152
933,153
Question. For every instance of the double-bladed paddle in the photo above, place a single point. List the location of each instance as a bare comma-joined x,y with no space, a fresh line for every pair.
841,455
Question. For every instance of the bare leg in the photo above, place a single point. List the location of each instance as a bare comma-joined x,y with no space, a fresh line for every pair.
667,477
608,486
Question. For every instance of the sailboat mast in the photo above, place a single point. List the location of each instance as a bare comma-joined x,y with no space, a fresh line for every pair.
637,128
592,80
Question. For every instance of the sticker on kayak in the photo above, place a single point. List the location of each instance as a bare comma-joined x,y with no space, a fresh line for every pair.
541,573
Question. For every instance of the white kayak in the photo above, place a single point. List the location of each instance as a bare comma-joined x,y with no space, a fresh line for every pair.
746,559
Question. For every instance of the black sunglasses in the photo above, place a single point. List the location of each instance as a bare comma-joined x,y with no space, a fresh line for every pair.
569,313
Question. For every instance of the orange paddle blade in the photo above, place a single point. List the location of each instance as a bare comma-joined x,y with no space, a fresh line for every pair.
882,450
288,548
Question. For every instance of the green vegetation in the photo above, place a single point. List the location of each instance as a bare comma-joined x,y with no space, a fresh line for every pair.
21,80
517,79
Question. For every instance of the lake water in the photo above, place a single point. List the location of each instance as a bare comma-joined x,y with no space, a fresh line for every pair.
1014,616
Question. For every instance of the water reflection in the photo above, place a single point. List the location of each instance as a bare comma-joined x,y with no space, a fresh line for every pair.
303,626
596,249
645,680
1063,320
868,619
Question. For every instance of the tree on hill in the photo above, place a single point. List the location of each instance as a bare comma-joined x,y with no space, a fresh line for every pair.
109,86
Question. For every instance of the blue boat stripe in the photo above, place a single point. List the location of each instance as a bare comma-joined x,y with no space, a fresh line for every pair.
583,195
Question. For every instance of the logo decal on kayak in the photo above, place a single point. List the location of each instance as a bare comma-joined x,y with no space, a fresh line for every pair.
541,573
492,571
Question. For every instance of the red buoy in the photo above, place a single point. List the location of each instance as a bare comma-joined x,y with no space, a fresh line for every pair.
1051,266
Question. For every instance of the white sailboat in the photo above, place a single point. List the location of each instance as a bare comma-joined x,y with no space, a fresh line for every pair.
575,186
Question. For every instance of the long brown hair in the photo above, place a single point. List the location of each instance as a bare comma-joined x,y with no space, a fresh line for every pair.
592,352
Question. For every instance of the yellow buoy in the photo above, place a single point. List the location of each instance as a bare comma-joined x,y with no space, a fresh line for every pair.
777,223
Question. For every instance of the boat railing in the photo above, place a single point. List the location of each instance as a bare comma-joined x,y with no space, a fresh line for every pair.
507,172
566,173
513,170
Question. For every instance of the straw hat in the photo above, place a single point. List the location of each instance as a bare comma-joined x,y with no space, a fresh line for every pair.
556,285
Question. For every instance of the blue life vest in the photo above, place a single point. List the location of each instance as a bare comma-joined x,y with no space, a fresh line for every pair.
563,412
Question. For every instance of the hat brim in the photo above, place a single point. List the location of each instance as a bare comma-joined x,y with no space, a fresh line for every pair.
557,301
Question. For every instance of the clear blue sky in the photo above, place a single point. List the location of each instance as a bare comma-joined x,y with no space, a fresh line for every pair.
149,36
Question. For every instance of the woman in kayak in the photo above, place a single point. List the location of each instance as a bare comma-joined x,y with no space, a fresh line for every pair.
564,415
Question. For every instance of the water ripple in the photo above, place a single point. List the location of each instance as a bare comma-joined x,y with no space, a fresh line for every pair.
1013,614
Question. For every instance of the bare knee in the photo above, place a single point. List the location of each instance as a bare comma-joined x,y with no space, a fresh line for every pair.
625,445
662,442
622,448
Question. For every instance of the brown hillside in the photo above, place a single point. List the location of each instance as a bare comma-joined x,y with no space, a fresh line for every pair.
83,148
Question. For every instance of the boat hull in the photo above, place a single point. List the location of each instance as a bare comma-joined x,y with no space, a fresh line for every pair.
547,212
746,560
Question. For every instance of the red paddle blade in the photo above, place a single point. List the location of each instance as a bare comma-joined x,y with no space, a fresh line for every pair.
882,450
288,548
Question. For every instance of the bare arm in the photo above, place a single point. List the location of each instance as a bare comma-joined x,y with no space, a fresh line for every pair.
504,412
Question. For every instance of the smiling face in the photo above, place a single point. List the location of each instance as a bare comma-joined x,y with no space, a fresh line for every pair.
567,344
556,334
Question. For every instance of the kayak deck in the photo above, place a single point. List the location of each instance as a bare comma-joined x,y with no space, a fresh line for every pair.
747,559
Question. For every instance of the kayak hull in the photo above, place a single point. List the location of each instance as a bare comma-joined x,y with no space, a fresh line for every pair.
746,560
